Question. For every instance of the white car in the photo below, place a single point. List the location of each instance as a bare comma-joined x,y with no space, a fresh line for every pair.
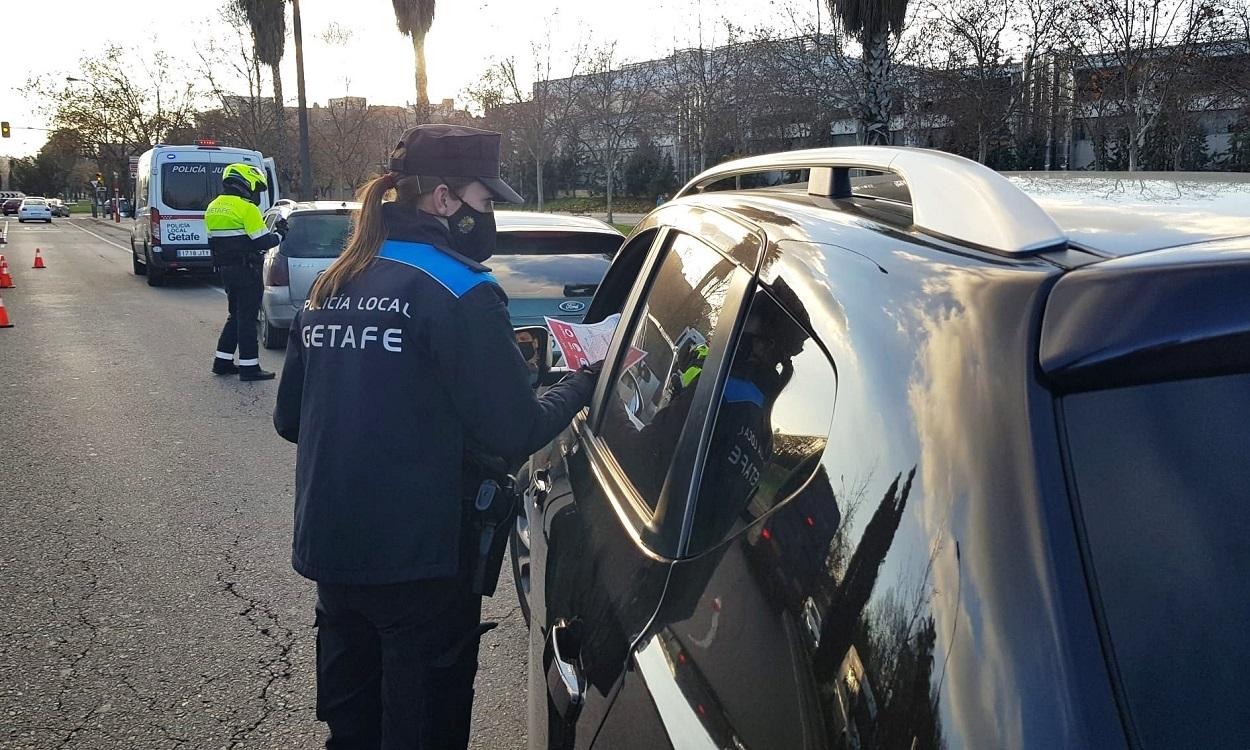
34,209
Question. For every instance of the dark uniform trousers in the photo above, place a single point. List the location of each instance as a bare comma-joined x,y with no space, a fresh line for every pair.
396,663
243,293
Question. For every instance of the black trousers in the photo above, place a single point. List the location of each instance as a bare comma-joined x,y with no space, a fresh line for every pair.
243,293
396,664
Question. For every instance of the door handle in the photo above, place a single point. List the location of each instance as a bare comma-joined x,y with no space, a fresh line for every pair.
541,483
566,688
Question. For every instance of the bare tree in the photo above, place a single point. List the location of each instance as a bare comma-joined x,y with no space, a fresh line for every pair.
806,68
973,34
1135,49
701,86
228,63
346,134
532,117
118,104
612,103
1044,30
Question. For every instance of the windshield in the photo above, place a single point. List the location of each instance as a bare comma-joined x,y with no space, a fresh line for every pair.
316,235
35,202
556,243
190,186
1162,473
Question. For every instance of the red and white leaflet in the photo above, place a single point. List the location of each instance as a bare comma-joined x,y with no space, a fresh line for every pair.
584,344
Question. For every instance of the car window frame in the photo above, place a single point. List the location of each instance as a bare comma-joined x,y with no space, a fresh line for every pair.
662,530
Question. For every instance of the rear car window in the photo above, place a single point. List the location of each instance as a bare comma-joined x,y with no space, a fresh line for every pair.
190,186
35,202
771,424
316,235
557,243
1162,474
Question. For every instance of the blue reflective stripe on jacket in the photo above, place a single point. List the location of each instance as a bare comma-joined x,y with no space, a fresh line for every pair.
456,277
738,391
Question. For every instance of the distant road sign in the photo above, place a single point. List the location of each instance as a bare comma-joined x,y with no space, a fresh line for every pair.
134,166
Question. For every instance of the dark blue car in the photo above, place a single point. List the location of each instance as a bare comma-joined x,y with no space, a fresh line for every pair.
963,461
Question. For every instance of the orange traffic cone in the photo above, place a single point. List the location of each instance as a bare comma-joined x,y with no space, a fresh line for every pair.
4,316
6,279
38,260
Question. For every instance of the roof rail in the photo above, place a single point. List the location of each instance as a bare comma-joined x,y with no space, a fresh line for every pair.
951,197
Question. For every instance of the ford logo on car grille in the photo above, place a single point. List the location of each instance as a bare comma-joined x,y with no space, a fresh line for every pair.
572,306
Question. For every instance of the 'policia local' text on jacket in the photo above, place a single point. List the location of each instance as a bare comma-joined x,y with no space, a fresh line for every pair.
236,231
383,387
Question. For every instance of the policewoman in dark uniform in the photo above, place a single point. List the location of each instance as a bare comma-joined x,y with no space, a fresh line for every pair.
238,239
401,362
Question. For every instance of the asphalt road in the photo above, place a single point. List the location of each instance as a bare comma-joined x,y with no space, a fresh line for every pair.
146,593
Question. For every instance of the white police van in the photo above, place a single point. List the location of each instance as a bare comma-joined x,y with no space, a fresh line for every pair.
173,186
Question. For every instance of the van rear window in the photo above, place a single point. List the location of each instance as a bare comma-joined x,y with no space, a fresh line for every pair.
190,186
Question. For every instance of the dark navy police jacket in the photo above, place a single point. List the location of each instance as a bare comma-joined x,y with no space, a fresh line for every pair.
383,388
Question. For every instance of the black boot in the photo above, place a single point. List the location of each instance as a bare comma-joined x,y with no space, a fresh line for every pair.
253,372
224,366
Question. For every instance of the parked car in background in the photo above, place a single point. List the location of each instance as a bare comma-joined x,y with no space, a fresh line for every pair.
317,231
34,209
915,455
58,207
548,264
11,205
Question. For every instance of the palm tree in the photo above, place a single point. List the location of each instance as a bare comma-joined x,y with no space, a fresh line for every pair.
267,20
871,23
414,18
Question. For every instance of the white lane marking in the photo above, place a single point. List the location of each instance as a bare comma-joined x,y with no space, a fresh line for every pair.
128,251
123,248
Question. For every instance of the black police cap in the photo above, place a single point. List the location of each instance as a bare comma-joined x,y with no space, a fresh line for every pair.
439,150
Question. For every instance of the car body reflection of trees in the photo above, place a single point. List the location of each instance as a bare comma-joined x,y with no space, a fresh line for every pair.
861,657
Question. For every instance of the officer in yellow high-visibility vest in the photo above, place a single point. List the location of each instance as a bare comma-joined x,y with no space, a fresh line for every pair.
239,238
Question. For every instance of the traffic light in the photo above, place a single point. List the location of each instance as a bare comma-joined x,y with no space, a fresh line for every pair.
4,129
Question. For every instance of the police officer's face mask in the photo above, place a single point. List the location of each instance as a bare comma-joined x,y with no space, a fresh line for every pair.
472,231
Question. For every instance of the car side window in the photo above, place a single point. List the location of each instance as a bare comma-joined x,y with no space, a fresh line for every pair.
771,424
647,405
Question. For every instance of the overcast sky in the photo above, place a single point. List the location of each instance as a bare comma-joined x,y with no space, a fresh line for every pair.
376,61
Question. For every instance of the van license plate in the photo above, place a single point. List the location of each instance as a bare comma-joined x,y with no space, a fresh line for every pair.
195,253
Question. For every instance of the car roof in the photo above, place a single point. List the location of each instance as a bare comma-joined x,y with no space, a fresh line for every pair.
1122,213
303,206
1110,214
522,221
508,221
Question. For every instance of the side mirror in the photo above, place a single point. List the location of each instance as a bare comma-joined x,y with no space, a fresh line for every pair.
535,345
